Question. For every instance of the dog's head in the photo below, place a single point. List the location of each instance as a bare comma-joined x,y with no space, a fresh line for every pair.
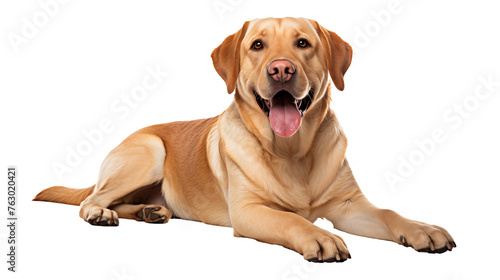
280,67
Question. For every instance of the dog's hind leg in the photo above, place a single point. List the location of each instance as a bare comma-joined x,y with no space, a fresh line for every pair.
150,213
138,161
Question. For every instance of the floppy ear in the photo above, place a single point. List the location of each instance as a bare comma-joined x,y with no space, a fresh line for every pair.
226,58
338,54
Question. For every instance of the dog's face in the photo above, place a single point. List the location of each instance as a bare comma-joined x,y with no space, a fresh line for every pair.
280,68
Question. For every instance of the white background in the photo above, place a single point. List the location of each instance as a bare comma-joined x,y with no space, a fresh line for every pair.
408,70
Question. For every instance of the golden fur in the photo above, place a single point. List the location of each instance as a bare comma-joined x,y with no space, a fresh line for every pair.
233,170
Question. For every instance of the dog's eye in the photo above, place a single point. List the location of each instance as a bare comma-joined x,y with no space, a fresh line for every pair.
302,43
257,45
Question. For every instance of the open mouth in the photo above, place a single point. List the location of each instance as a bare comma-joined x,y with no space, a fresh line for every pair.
284,111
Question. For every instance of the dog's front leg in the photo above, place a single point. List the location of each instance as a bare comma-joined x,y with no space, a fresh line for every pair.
250,217
351,212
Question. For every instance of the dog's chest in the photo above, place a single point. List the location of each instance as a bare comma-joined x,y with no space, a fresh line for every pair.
305,184
294,189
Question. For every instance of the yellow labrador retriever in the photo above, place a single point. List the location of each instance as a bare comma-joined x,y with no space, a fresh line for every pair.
268,166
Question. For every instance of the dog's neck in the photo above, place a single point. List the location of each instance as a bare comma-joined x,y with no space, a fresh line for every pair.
297,146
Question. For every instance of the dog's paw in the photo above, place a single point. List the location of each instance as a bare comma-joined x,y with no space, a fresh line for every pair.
103,217
427,238
323,246
154,214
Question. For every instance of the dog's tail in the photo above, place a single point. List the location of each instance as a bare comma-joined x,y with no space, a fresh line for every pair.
64,195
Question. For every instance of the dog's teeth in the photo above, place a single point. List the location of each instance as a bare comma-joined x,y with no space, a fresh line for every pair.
297,103
268,104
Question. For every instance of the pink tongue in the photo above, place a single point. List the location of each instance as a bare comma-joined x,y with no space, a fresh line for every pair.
284,116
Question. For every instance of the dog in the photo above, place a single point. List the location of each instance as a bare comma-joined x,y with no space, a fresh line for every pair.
268,166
